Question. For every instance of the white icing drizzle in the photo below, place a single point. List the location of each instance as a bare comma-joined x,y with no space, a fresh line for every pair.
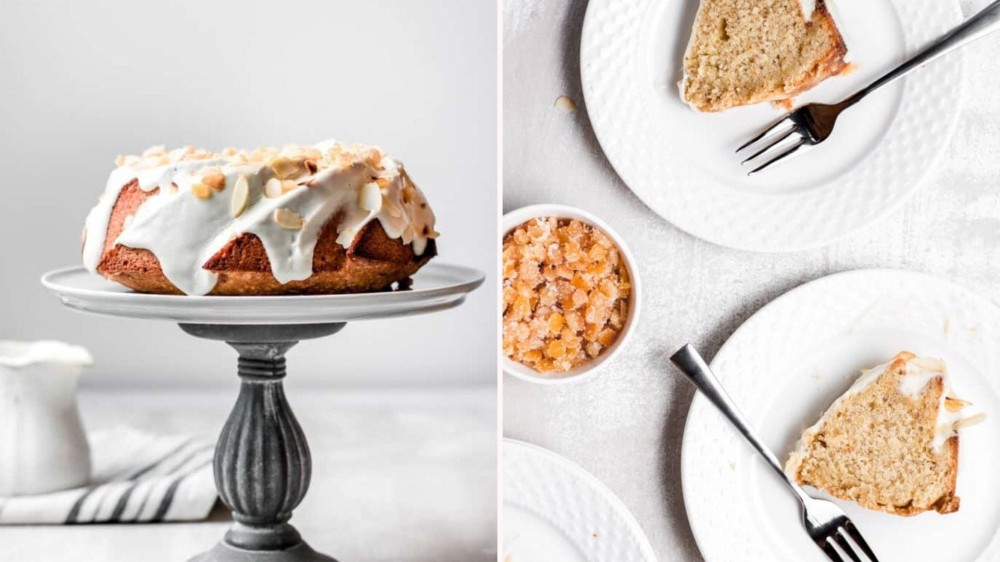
184,230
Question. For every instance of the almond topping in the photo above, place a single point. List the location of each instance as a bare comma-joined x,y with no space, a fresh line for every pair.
428,232
390,207
565,104
288,219
272,188
288,185
408,194
201,191
286,168
970,421
370,197
241,196
372,156
214,179
955,404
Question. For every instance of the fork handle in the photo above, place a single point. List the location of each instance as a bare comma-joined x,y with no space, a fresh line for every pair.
985,22
689,362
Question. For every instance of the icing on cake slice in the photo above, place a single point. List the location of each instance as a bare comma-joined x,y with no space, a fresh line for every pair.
749,51
890,443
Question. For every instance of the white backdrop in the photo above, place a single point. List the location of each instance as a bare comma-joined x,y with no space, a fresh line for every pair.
81,82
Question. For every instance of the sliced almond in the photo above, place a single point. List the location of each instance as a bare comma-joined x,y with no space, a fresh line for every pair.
370,197
428,232
272,188
201,191
409,193
935,365
288,219
288,185
970,421
241,196
288,168
955,404
565,104
214,179
391,207
372,156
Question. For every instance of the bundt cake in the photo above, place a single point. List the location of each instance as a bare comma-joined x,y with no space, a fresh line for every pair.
890,443
329,218
748,51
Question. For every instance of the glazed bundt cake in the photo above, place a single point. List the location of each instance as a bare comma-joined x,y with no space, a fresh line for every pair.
329,218
748,51
891,442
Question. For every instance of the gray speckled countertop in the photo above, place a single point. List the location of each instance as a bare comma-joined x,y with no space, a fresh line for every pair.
625,426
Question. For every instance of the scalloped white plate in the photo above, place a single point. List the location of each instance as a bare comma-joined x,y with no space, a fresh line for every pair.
682,164
554,511
788,362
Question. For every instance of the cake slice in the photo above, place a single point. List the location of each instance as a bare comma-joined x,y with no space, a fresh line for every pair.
749,51
890,442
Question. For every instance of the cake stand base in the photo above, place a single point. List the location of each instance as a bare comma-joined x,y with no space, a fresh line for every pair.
262,463
225,553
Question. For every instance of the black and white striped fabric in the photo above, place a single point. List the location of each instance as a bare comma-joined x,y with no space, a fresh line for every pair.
137,477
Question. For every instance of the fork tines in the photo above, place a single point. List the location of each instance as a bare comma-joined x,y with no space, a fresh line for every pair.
790,138
845,547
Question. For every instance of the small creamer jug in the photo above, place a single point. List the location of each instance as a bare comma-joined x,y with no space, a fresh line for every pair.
43,447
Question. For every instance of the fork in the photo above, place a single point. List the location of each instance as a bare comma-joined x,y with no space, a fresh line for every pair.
812,124
827,524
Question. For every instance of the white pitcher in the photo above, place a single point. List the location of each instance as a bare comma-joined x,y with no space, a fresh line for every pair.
43,447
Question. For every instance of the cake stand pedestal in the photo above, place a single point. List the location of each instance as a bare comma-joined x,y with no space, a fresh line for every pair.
262,462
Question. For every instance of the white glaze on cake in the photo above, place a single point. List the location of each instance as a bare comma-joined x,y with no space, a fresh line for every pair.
184,230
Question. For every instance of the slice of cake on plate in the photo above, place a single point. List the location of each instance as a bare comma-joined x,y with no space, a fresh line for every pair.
890,443
749,51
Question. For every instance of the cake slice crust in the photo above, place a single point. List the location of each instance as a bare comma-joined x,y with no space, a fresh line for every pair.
743,52
888,443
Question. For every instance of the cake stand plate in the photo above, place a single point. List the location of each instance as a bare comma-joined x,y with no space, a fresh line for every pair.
262,463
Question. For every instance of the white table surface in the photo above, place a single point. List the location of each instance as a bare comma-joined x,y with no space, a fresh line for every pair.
401,476
626,425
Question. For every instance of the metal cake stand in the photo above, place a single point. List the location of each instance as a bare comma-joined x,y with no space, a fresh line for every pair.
262,462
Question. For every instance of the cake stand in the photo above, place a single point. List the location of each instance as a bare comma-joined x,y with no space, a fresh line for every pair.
262,463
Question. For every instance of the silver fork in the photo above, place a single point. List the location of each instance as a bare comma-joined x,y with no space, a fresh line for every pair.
812,124
827,524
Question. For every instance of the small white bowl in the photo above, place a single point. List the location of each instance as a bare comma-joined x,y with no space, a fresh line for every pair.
587,370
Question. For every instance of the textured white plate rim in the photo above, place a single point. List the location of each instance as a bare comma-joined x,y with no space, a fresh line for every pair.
519,216
459,281
699,404
601,491
678,214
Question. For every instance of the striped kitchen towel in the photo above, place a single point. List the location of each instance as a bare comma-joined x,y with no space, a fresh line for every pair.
137,477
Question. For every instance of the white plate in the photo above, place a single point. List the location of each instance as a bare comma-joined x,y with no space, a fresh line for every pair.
436,286
682,163
554,511
789,362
